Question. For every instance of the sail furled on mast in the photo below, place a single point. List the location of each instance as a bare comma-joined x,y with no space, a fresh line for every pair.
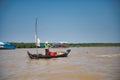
37,40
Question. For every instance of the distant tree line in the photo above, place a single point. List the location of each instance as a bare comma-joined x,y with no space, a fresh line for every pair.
23,45
32,45
94,44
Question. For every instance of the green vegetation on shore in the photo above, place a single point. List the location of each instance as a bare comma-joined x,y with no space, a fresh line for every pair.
94,44
32,45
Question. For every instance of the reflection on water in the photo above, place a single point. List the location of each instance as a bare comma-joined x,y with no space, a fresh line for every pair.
85,63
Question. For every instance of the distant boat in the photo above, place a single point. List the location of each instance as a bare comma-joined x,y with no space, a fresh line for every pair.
53,54
6,45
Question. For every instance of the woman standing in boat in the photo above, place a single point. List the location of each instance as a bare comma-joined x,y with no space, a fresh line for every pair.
47,48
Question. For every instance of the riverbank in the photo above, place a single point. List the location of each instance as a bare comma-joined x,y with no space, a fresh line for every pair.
32,45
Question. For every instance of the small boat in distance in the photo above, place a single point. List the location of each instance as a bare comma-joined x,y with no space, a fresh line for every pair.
52,54
6,45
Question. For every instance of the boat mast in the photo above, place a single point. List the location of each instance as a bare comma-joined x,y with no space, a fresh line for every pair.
36,36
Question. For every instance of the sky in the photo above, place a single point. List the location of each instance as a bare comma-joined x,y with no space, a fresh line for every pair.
73,21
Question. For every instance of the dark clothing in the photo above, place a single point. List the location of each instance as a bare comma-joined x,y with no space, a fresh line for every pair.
47,52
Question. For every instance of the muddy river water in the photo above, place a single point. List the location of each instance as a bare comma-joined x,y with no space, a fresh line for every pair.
83,63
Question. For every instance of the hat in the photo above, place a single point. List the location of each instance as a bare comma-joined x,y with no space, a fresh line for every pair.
46,41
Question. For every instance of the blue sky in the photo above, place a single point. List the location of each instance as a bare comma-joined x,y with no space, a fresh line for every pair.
74,21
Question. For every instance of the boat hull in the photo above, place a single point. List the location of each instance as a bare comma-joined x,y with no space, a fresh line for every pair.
41,56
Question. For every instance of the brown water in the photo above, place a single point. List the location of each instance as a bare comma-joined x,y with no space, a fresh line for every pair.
84,63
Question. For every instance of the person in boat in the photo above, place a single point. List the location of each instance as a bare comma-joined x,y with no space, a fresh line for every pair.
47,45
47,52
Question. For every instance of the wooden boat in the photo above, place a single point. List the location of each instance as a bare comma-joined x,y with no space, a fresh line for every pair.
38,56
41,56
